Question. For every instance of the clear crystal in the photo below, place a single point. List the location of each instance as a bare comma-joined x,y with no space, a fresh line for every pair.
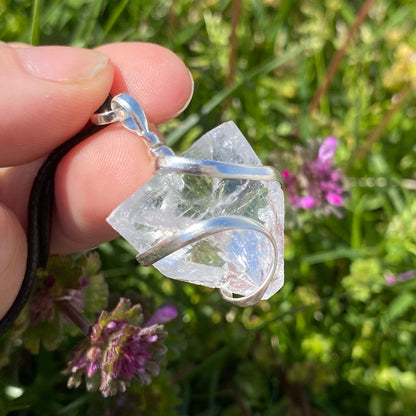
236,260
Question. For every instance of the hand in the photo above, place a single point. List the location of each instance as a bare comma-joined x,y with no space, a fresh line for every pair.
47,96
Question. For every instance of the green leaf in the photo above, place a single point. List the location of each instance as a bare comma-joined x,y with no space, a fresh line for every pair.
263,69
49,334
95,295
398,307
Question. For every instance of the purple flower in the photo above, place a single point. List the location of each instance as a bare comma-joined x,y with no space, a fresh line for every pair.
86,359
327,149
49,290
317,185
42,307
162,315
410,274
392,279
334,199
306,202
119,349
64,278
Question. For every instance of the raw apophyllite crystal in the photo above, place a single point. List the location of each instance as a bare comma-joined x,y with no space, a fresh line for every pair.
236,260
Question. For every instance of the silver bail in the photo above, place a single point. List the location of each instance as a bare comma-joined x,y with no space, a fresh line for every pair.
130,113
126,110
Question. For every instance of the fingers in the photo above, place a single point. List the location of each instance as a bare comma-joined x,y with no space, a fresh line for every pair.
49,93
91,181
12,257
153,75
105,169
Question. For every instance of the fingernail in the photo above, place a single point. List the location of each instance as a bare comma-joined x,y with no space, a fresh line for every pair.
61,63
183,108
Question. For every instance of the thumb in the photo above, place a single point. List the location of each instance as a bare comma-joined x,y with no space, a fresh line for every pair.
12,258
48,93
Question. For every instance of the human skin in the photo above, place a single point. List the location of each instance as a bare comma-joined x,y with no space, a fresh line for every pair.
48,95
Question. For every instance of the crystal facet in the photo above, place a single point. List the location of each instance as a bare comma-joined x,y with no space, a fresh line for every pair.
235,260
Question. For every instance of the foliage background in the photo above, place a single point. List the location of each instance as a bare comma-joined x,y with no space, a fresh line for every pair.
337,340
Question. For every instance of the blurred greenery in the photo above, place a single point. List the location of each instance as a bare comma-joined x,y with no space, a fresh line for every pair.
336,340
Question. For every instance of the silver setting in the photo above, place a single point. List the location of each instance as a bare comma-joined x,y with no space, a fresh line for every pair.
205,229
102,119
217,169
128,112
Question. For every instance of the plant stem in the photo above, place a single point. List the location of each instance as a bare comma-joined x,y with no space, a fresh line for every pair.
375,135
336,60
172,19
193,119
232,58
233,54
75,316
34,32
240,402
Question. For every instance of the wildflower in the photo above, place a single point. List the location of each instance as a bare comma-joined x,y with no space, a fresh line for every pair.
410,274
403,70
42,308
66,280
119,349
162,315
318,184
76,281
391,279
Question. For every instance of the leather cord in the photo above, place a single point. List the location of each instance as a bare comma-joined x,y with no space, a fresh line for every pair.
40,209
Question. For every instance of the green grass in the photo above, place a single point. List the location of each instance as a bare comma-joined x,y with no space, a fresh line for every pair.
336,340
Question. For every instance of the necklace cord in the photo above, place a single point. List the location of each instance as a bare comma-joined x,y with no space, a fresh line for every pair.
40,209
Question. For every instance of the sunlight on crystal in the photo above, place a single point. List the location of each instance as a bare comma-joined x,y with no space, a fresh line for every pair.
236,260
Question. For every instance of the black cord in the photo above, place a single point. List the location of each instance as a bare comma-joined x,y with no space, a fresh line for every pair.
39,218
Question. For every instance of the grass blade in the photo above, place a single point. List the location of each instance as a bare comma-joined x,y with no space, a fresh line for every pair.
112,20
269,66
34,32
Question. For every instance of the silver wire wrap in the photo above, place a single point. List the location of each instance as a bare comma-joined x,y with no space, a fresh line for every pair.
128,112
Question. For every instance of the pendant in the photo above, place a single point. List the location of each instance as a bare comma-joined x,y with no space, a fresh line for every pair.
213,216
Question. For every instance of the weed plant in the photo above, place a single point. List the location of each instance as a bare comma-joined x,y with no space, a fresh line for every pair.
339,338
